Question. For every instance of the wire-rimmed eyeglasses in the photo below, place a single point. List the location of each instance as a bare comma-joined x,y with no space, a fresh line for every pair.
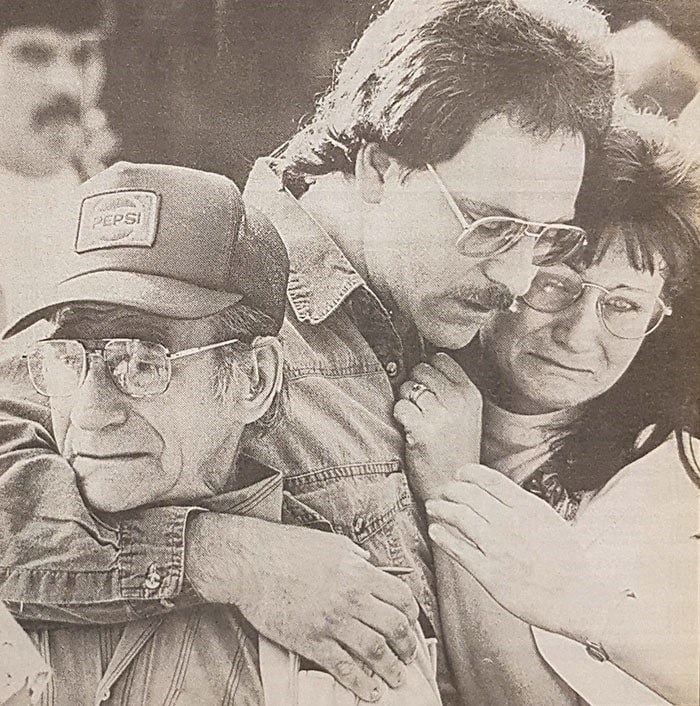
625,312
58,367
488,236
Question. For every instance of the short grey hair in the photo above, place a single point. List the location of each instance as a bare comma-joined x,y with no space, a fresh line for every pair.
245,323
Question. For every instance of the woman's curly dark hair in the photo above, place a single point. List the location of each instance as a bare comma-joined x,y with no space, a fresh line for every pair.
638,189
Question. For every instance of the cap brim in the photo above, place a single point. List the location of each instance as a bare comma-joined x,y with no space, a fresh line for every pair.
151,293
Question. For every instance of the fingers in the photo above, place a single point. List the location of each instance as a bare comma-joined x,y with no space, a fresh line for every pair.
424,399
381,634
396,593
344,668
466,521
451,369
373,650
433,379
499,485
396,628
445,379
482,500
411,418
392,612
458,548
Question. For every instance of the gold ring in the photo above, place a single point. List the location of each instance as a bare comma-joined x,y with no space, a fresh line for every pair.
416,391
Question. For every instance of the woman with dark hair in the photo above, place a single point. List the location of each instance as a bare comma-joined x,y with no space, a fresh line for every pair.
590,404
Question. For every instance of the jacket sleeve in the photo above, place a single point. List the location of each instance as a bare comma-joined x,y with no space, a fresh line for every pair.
58,561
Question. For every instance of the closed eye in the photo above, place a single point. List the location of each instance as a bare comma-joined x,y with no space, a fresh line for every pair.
622,305
550,284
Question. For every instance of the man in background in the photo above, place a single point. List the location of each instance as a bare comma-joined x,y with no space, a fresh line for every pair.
53,134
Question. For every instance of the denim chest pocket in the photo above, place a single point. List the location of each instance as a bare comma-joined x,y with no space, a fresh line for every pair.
359,501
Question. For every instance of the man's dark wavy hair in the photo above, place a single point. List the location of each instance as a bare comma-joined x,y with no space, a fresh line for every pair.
426,73
69,16
641,191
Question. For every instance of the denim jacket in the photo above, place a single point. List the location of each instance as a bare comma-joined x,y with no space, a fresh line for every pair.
337,443
204,654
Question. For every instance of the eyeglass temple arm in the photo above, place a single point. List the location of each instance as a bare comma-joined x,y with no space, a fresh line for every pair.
448,196
202,349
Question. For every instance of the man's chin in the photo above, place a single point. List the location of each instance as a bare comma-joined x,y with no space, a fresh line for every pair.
450,336
113,486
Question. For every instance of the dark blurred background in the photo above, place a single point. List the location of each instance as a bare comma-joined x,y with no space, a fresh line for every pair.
215,83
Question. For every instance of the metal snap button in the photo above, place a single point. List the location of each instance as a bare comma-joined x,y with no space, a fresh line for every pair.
153,578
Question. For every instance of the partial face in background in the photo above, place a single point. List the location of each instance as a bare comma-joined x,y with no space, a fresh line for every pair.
411,233
48,81
128,452
550,361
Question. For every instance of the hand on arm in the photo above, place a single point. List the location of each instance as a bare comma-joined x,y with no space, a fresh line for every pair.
312,592
523,553
443,432
442,421
531,562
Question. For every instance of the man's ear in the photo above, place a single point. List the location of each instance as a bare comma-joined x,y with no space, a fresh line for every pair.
264,372
371,169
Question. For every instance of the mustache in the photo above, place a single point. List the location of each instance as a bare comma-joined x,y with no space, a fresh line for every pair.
61,108
494,297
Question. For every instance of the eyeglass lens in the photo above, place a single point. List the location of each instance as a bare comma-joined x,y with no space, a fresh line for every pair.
625,312
493,235
138,368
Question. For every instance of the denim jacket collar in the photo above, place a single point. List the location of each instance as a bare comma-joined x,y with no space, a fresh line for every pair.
321,277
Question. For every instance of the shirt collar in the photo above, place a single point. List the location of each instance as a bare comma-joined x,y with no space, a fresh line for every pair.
257,492
321,277
520,431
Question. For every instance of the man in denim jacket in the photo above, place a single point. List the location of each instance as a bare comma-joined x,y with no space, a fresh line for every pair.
438,166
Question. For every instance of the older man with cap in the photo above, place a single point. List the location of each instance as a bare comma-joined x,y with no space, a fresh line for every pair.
164,352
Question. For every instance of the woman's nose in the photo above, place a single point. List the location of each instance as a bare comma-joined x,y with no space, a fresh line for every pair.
578,326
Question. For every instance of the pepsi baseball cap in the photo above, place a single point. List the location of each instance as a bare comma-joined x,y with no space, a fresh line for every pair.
168,240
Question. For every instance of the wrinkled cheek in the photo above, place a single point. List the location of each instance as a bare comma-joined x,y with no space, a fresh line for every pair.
172,465
60,419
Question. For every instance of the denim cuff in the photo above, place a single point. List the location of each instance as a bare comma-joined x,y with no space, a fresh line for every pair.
151,561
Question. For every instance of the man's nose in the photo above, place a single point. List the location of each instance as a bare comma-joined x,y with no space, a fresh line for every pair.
97,403
65,76
577,327
514,268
